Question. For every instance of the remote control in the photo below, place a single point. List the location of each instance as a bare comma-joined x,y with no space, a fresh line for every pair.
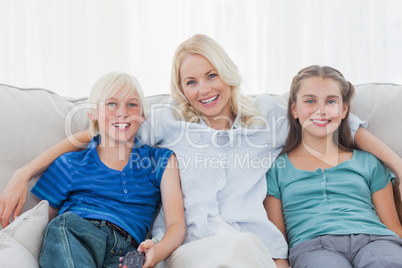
133,259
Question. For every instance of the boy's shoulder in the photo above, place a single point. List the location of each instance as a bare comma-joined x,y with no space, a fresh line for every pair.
152,150
73,157
78,156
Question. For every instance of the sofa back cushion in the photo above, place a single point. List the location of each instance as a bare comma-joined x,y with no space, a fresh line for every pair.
35,119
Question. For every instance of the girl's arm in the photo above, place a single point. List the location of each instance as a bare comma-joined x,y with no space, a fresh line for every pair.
14,195
383,201
273,206
173,209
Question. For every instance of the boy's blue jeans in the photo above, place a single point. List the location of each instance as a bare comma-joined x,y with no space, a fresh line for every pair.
71,241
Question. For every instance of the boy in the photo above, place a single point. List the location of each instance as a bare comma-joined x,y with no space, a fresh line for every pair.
106,203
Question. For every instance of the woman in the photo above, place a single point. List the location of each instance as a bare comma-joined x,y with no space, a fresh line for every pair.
225,143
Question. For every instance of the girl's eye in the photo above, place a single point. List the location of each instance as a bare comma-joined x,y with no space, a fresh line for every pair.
211,76
310,101
111,104
332,102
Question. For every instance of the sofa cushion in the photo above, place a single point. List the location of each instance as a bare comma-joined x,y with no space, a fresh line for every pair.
33,120
379,104
21,241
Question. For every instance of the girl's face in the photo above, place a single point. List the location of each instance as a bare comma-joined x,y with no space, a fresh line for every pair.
119,118
319,107
204,89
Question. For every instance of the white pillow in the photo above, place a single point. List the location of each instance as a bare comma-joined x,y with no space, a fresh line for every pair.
21,241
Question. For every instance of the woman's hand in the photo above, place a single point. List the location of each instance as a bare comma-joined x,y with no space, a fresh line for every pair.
13,197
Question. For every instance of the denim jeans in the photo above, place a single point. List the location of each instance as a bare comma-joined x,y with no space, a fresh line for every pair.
71,241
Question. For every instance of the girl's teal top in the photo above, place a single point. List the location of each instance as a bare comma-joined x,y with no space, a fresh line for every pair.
336,200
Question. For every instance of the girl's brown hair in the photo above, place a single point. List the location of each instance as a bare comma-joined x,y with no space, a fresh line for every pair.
342,137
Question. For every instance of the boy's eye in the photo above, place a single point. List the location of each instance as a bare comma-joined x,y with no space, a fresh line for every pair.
332,102
111,106
310,101
211,76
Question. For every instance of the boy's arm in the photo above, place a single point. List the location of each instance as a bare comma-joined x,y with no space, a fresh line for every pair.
53,213
383,201
273,206
14,195
174,217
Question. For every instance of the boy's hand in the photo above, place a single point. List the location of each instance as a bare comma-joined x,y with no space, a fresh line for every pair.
13,198
148,247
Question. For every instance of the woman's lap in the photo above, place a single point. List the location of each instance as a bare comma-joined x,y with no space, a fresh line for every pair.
224,250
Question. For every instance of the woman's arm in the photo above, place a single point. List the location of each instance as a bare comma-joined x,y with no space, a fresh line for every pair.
14,195
383,201
173,209
273,206
370,143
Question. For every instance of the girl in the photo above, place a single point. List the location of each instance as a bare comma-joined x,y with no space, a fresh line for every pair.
333,202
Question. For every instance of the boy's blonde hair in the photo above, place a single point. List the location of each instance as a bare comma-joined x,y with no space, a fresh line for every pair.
108,85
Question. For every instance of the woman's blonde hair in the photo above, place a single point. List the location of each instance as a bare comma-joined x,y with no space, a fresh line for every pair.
227,71
107,86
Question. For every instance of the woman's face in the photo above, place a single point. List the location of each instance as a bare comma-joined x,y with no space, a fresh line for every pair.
204,89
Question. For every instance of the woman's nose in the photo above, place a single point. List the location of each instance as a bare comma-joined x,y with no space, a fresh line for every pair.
204,88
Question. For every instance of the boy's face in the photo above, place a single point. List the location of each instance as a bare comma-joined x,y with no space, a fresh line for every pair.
119,119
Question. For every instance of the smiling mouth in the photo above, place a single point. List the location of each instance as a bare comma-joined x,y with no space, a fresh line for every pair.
210,100
121,125
321,122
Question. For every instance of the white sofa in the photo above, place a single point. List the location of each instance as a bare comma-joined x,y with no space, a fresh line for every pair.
34,119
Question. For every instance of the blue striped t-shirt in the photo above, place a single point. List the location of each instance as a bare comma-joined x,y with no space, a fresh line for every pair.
81,183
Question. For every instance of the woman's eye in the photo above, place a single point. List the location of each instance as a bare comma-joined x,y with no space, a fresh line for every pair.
132,105
211,76
310,101
191,82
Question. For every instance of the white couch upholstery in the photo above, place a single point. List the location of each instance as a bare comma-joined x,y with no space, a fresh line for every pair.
34,119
